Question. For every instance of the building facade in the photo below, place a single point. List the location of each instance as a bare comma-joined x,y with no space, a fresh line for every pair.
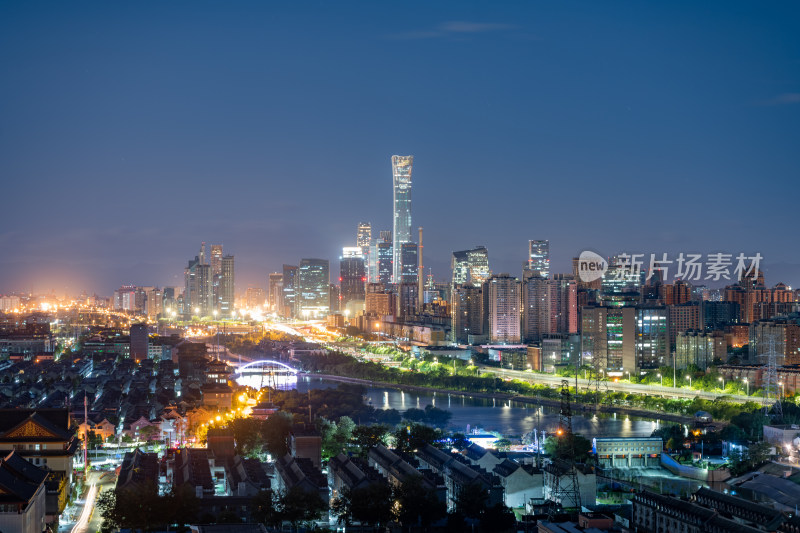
504,309
401,229
313,293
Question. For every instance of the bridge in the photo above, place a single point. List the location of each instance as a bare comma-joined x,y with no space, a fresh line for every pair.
266,373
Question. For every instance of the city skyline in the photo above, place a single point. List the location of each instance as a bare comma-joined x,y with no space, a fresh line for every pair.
612,136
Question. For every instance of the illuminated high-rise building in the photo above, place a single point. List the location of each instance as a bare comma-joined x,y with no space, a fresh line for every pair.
536,309
216,259
471,266
313,295
275,292
352,277
504,309
364,241
539,258
254,297
625,340
289,309
563,304
407,288
385,263
401,231
216,273
198,296
364,234
225,301
467,312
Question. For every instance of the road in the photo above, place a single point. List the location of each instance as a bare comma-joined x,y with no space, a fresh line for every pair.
89,521
621,386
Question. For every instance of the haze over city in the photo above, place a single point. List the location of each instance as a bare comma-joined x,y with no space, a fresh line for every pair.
131,134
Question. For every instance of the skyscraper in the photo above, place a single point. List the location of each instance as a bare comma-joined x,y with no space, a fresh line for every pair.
467,312
407,286
352,277
409,267
539,258
216,274
313,293
225,301
290,308
504,309
536,305
364,241
563,304
625,340
198,292
471,266
364,234
254,297
275,296
385,263
401,174
216,259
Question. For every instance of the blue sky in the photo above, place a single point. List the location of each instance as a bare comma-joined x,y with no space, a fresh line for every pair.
132,131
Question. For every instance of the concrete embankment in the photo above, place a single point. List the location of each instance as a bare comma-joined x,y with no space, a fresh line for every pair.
577,408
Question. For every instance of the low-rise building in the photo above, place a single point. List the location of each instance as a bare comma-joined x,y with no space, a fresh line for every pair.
521,483
44,438
299,473
22,495
783,436
345,473
656,512
459,475
306,442
627,452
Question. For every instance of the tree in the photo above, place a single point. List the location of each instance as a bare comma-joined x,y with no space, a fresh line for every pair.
248,434
335,435
298,506
149,432
498,518
182,505
264,511
417,504
370,505
471,500
94,440
276,430
415,436
366,437
502,445
107,506
568,446
460,441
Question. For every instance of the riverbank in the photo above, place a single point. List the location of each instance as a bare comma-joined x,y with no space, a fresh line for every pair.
577,408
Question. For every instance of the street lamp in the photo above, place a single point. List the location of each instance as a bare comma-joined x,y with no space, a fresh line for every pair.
690,381
723,382
783,389
629,374
747,382
662,379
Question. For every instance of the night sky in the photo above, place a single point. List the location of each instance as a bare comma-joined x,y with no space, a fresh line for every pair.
132,131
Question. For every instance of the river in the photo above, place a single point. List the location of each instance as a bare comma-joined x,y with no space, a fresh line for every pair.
505,417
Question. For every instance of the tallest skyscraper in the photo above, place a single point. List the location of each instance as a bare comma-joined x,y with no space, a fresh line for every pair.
401,173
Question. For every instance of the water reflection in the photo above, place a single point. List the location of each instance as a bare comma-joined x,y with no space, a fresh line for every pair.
506,417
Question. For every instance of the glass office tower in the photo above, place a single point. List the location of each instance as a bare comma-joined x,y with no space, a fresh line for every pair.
401,173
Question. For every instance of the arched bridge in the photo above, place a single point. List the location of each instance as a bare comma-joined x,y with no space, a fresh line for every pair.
266,373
